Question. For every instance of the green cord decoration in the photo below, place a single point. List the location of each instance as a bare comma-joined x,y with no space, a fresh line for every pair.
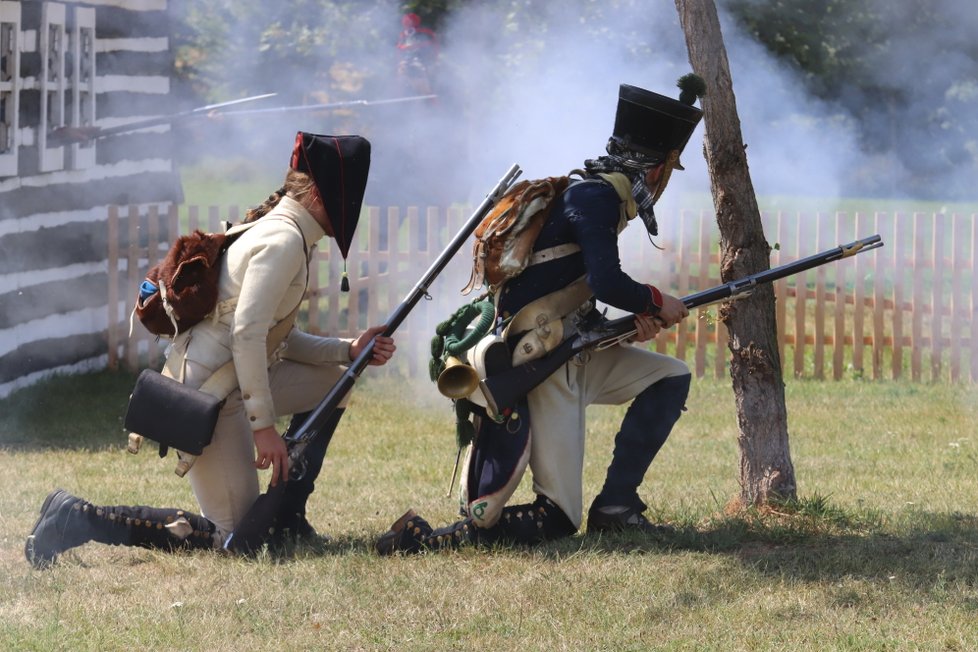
450,336
451,339
464,430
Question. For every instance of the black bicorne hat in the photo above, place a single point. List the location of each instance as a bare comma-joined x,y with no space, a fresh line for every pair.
653,124
338,165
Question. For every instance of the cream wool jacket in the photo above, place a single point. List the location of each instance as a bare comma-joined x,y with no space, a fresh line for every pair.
263,277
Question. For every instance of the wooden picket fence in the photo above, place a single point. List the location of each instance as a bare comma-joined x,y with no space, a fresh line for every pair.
906,309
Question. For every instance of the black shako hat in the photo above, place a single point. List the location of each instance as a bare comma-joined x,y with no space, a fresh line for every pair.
654,124
338,166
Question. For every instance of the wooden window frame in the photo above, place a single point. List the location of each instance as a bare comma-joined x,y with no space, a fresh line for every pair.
10,82
52,47
82,46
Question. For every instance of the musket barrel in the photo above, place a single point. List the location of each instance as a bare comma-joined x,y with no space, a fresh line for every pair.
504,389
297,441
421,288
254,527
327,107
167,119
802,264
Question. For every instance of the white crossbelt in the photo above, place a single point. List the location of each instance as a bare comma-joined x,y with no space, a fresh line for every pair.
553,253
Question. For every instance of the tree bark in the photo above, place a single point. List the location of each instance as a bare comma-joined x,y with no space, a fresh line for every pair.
766,471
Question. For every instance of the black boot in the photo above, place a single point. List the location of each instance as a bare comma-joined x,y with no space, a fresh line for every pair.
527,524
644,430
291,520
67,521
407,534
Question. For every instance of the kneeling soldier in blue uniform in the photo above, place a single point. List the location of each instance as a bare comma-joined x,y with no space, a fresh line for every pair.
575,261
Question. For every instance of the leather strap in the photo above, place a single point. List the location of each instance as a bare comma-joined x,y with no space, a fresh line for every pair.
556,305
541,321
225,380
553,253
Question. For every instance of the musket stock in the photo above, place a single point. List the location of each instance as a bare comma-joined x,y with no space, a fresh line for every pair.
502,390
254,529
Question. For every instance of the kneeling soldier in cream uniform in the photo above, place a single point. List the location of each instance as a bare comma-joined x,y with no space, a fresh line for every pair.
263,279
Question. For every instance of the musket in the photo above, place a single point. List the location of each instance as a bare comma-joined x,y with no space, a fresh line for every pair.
504,388
326,107
70,135
253,530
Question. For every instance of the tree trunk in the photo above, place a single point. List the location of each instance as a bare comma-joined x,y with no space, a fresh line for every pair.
766,472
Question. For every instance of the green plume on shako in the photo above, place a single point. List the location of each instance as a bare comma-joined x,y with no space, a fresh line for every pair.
691,86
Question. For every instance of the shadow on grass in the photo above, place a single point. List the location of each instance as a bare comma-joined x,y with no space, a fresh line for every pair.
809,541
922,550
67,412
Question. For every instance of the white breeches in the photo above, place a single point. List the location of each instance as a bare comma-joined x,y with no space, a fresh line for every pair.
224,478
557,411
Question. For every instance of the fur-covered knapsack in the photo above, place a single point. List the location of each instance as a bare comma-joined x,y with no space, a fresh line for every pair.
181,290
504,239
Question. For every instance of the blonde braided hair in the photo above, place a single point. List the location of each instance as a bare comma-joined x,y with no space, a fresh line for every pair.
296,185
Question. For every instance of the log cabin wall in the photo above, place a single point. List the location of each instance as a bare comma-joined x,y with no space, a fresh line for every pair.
101,63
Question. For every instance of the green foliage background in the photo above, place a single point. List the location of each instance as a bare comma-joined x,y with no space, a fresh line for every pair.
893,67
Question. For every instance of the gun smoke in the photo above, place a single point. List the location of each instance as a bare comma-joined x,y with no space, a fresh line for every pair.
544,95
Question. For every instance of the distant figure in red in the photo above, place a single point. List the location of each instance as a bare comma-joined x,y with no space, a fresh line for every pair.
418,49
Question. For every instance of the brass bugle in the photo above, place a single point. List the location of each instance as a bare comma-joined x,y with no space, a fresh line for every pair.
458,380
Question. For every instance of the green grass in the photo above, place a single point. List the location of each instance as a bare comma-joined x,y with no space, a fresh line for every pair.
880,552
67,412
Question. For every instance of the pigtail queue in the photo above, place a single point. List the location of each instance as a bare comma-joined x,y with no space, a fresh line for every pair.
296,185
258,212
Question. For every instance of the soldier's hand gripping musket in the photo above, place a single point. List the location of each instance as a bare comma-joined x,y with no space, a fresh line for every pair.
318,426
548,254
502,388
